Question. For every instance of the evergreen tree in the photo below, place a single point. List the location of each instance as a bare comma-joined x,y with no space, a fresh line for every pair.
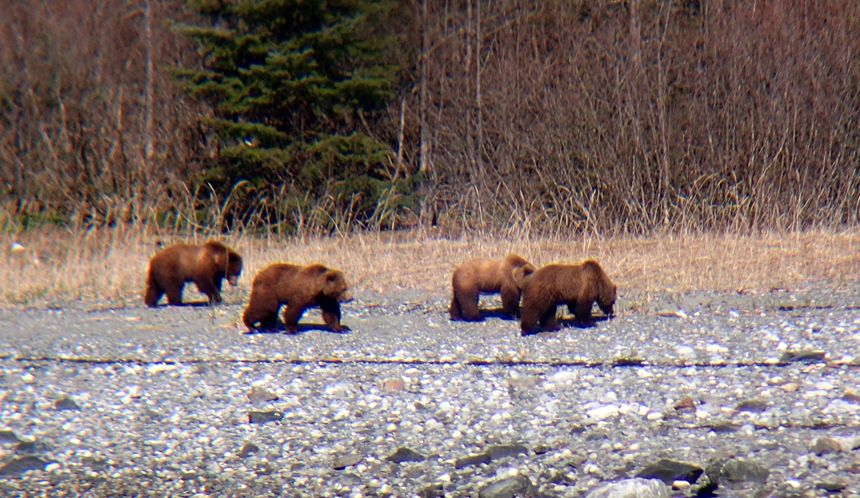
298,88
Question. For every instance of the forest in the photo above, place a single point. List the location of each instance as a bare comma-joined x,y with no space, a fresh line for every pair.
534,116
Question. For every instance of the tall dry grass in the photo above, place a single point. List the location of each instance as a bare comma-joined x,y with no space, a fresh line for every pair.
60,266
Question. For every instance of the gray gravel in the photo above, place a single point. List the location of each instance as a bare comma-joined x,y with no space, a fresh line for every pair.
135,401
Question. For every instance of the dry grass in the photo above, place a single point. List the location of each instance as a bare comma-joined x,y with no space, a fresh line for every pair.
59,265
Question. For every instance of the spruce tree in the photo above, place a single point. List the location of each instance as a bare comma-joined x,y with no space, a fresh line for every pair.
298,89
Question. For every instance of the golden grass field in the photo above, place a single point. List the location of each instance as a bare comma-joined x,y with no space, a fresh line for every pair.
59,266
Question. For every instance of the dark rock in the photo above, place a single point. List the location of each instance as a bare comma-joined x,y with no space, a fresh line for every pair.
258,395
523,382
541,449
23,464
505,450
625,361
247,449
405,455
153,414
7,436
341,462
824,445
472,460
670,471
638,488
555,476
432,491
30,447
66,403
708,489
725,472
686,404
851,396
831,487
802,356
350,479
755,405
255,417
723,426
511,487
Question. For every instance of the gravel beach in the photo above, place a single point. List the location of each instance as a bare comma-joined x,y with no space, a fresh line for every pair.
713,394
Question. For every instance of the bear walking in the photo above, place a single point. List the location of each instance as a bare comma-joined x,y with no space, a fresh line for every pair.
299,288
206,265
578,286
505,275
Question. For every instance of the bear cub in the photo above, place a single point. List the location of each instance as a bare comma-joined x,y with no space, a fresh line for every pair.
484,275
206,265
578,286
299,288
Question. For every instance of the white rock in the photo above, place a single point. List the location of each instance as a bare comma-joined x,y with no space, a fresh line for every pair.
602,412
562,376
630,488
685,351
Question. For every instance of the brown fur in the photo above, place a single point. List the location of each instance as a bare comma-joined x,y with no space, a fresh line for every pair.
578,286
299,287
205,265
505,275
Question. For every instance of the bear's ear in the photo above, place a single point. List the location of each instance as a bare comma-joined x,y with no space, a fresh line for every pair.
528,270
330,276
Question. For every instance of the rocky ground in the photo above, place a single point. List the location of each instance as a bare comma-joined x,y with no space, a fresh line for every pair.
707,394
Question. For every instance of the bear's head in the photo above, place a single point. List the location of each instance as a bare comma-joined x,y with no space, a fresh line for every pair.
335,286
234,267
520,274
606,295
226,260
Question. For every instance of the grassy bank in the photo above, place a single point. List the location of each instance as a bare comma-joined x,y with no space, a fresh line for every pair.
58,266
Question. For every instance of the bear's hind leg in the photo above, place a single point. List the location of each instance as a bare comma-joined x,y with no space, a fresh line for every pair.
174,293
468,301
292,315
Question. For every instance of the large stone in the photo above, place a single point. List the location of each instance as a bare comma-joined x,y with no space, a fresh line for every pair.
257,417
404,454
735,472
341,462
511,487
755,405
258,395
670,471
802,356
19,465
505,450
66,403
632,488
824,445
247,449
7,436
472,460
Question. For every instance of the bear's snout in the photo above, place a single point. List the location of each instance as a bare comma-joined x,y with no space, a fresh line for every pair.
345,297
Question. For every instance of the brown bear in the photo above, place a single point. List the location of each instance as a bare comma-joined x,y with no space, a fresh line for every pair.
205,265
298,287
578,286
505,275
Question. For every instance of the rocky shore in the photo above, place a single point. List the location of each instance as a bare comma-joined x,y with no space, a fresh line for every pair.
706,394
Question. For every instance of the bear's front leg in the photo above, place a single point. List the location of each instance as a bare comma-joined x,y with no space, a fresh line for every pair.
331,315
